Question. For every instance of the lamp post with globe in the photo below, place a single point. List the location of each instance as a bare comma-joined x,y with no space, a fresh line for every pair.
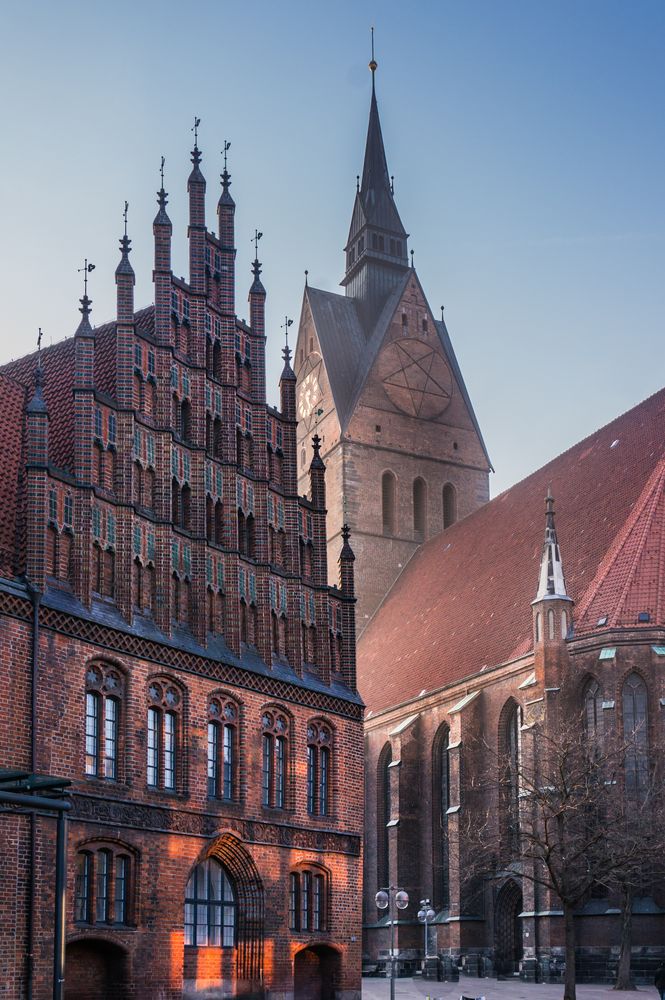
425,915
388,899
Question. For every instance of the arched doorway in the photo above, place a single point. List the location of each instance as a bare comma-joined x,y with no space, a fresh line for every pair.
508,929
95,970
316,973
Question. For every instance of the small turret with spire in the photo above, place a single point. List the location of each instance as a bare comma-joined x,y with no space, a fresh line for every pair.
124,278
37,446
84,329
552,607
226,208
196,187
162,231
347,587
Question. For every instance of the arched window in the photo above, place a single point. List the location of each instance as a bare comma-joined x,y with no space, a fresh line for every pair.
319,739
103,697
388,490
419,509
593,711
102,888
538,625
164,710
564,624
308,900
509,737
383,815
634,709
210,907
449,505
186,508
185,420
551,629
440,806
222,748
275,729
217,361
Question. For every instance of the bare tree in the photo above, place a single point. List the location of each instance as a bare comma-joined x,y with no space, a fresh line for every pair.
572,829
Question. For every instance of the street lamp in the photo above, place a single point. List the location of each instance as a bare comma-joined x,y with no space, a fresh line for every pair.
425,915
388,899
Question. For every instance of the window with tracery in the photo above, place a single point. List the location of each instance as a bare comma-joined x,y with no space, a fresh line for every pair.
103,883
383,815
593,711
440,806
210,907
419,509
222,748
634,711
449,505
319,741
388,504
510,738
163,735
275,730
103,699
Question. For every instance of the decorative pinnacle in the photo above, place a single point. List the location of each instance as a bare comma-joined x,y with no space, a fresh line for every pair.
225,175
124,215
161,194
84,329
346,532
306,278
196,155
286,351
411,258
87,268
38,404
392,184
551,581
316,444
124,267
255,240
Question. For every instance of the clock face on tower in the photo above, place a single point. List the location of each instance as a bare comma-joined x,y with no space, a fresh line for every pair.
310,395
416,378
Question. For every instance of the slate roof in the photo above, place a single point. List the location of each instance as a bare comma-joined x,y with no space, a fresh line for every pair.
464,600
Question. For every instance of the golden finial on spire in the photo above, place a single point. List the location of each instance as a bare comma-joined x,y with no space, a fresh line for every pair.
373,63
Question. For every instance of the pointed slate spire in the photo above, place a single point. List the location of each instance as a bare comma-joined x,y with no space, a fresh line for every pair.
376,193
551,582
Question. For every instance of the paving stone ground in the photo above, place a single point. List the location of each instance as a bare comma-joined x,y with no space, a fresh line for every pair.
490,989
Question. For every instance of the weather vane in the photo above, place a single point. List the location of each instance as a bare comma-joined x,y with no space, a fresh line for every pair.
161,170
255,240
87,268
124,215
285,327
227,146
39,341
195,130
373,63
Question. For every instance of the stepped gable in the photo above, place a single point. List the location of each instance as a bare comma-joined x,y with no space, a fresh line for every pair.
58,367
11,470
464,601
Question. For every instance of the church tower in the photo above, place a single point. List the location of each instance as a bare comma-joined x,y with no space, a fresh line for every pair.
378,381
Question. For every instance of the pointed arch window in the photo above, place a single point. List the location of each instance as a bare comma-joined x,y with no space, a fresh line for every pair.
210,907
319,739
163,735
383,815
441,804
419,509
388,504
551,625
275,730
103,698
222,748
510,738
449,505
634,710
593,711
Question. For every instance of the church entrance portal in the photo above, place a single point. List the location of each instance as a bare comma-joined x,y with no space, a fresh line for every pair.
316,973
508,929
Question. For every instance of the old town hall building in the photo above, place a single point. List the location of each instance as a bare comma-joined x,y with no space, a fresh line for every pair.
172,647
466,638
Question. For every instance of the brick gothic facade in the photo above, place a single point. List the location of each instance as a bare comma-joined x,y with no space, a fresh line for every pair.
466,645
379,381
195,673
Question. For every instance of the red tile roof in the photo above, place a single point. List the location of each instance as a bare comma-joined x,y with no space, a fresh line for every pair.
463,602
11,471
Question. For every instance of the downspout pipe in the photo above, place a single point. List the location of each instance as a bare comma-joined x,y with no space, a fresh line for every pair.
35,597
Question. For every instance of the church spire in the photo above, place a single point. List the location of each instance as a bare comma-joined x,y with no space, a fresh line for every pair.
376,250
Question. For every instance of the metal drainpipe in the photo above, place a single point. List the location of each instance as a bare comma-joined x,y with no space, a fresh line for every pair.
35,596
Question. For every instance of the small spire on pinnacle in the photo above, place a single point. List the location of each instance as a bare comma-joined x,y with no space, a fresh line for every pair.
306,278
257,286
124,267
162,199
347,551
225,175
551,582
84,327
442,314
287,371
317,461
196,155
38,404
411,252
357,183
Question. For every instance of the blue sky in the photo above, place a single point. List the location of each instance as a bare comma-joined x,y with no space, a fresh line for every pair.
526,140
